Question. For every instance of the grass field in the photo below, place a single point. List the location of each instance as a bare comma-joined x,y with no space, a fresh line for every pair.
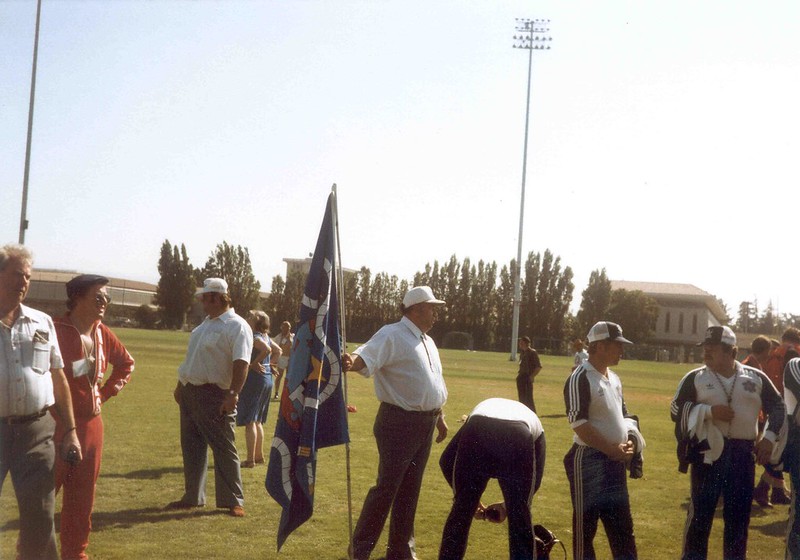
142,471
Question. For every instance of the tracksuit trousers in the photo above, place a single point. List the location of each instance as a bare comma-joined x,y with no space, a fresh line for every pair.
731,476
599,491
78,482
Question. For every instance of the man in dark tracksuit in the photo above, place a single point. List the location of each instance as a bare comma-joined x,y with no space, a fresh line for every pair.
501,439
715,410
529,367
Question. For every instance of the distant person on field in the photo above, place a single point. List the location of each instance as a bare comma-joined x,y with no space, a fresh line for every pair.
254,400
773,366
405,364
606,443
581,355
209,382
716,409
285,340
759,353
88,347
31,362
501,439
529,367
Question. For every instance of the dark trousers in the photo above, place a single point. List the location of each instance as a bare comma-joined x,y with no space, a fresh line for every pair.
202,427
599,491
404,444
492,448
731,476
525,391
27,451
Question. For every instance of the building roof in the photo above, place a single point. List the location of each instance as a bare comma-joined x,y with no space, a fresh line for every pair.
665,292
64,276
659,288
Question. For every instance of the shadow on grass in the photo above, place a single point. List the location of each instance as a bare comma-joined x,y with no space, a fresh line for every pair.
129,517
553,416
145,474
774,529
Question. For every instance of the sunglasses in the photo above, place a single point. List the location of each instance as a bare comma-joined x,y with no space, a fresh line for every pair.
102,299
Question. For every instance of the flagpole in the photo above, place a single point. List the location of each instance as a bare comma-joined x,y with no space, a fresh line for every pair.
340,296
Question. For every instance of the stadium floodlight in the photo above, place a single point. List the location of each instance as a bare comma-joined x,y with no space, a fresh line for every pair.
533,35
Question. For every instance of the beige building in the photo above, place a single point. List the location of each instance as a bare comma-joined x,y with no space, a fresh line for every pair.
684,313
48,291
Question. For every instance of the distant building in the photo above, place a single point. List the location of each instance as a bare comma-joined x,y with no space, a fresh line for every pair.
304,265
684,313
49,293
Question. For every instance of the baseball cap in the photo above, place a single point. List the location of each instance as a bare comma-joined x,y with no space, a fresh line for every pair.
719,335
420,294
604,330
213,286
80,283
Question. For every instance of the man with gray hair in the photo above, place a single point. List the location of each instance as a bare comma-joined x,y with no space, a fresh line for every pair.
209,382
405,364
32,381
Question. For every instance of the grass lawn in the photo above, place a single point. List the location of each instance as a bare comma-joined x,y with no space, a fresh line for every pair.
142,471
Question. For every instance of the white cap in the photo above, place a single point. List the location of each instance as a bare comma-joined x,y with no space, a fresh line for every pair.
212,286
719,335
420,294
605,330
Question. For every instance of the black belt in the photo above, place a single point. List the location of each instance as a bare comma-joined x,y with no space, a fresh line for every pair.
22,419
434,412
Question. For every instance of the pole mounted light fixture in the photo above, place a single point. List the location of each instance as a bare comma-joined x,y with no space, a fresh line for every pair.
533,35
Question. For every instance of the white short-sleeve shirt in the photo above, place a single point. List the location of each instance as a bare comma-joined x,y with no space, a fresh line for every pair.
28,351
406,367
213,347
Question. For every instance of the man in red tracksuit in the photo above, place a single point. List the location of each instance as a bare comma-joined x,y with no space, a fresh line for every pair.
88,347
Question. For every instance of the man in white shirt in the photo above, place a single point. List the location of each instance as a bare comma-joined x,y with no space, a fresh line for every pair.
209,382
32,381
407,372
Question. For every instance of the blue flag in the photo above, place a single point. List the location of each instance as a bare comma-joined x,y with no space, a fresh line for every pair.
312,410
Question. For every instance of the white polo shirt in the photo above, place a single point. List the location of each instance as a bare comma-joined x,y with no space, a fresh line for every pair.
512,411
28,350
406,366
592,397
213,347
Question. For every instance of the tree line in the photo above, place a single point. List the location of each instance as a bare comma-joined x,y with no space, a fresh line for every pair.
479,298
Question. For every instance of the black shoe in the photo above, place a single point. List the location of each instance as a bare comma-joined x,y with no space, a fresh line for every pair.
779,497
761,494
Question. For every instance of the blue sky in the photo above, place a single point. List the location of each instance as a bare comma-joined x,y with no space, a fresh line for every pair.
663,139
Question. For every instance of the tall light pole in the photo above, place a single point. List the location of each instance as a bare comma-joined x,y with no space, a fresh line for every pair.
23,219
532,34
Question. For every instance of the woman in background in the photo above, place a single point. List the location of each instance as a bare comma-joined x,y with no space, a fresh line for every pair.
254,398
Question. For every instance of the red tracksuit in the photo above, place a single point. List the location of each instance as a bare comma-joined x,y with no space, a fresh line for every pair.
88,392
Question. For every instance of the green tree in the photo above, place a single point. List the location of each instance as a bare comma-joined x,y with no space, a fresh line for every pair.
233,265
547,294
596,299
635,312
283,302
176,285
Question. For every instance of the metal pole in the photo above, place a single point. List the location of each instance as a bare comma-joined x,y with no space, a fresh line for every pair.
23,220
518,274
527,41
